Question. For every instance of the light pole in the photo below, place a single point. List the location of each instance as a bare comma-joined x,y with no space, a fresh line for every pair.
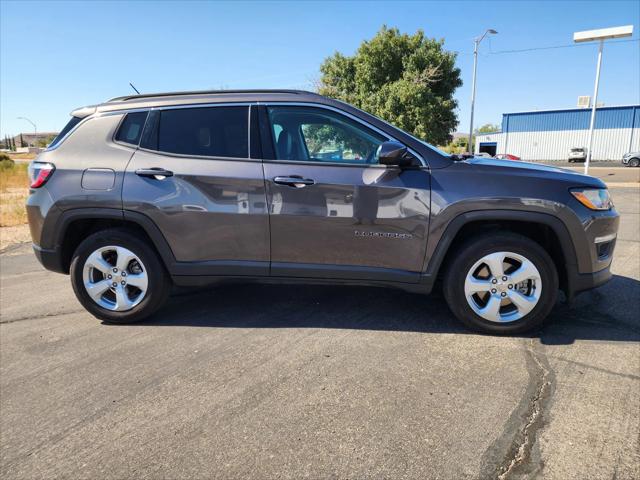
476,42
589,36
35,130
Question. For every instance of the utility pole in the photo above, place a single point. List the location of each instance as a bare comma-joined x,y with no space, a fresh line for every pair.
476,43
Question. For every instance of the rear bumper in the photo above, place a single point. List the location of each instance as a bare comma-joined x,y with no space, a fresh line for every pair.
51,259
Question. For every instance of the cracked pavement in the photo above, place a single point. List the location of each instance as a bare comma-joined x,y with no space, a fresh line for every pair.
250,381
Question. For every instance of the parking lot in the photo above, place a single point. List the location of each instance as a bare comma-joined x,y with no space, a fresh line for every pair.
252,381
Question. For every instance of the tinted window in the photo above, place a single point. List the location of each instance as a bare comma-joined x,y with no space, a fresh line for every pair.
319,135
131,128
211,132
149,138
67,128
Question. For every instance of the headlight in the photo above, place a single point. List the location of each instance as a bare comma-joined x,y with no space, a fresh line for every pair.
593,198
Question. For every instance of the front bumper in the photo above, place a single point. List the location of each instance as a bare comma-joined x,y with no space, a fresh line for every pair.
580,282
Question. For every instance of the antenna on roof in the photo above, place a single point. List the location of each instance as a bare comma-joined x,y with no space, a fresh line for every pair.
136,90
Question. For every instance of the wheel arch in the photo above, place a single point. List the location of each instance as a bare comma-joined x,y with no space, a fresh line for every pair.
545,229
76,224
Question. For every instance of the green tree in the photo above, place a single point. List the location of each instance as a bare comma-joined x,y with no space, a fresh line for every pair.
488,128
408,80
458,145
22,143
43,142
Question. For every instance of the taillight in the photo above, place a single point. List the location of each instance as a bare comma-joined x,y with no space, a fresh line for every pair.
39,173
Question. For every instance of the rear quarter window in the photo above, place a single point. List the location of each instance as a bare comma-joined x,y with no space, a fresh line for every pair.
131,127
63,133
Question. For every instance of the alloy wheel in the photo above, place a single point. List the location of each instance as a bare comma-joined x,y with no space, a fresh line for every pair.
503,287
115,278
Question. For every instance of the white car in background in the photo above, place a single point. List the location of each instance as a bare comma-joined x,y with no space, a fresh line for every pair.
578,154
631,159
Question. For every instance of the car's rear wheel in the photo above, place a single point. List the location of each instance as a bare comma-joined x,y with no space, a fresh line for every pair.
117,277
501,283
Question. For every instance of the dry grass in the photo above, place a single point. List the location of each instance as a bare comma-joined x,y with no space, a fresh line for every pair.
22,156
14,189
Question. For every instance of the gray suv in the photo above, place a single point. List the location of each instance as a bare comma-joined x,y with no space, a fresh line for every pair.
144,192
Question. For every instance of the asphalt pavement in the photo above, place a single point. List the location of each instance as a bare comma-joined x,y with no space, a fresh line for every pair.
249,381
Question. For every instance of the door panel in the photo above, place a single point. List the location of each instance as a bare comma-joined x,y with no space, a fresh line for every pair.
366,217
210,210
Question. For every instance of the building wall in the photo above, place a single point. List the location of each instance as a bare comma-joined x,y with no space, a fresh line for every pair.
608,144
550,135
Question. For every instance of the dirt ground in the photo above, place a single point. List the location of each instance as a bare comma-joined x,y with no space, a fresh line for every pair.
13,235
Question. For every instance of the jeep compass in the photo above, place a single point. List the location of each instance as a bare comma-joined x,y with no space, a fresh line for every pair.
195,188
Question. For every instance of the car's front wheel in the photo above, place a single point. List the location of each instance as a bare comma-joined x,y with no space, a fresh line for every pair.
634,162
501,283
117,277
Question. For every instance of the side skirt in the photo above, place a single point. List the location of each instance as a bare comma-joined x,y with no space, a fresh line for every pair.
424,286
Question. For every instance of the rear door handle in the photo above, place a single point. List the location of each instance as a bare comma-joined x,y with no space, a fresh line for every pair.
154,172
293,181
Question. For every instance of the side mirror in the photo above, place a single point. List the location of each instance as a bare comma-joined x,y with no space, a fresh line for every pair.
394,153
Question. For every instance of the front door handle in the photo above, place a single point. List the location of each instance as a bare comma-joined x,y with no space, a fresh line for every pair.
154,172
293,181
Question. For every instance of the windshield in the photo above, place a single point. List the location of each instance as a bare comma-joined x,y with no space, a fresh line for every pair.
428,145
435,149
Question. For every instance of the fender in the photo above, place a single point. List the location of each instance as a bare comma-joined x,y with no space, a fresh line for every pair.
58,229
55,230
558,227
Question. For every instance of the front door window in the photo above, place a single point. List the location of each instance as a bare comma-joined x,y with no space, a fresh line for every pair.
319,135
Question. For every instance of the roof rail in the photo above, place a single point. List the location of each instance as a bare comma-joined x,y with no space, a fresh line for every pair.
205,92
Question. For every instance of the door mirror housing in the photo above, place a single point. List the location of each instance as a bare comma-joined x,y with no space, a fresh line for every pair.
392,153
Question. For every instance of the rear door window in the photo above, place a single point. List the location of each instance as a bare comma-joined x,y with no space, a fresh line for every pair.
131,128
209,132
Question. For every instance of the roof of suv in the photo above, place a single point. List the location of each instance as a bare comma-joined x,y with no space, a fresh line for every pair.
210,96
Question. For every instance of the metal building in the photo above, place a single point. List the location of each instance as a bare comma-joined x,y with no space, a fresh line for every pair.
551,134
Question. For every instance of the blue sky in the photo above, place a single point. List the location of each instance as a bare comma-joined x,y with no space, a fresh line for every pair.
56,56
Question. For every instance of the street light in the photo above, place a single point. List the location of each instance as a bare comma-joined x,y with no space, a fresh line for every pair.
602,35
476,42
35,130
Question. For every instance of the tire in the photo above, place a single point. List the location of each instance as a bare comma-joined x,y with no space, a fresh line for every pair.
146,283
634,162
541,286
